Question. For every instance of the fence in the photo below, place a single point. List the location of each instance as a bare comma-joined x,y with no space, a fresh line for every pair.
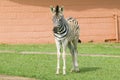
99,28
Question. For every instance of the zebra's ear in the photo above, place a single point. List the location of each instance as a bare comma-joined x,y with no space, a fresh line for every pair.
52,9
62,8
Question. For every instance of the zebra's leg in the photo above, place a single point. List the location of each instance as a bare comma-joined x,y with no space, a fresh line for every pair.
64,45
58,45
75,56
71,48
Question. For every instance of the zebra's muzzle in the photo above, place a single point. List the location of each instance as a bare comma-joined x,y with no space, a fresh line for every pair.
55,29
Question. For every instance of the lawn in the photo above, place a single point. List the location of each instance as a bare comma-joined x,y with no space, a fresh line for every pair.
88,48
43,66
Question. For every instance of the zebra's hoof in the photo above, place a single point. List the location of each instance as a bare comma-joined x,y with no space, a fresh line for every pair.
72,70
64,73
75,70
57,73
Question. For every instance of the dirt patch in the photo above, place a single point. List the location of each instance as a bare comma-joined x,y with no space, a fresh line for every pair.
5,77
92,55
54,53
6,51
100,55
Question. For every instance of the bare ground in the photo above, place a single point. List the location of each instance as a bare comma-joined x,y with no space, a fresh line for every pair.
6,77
92,55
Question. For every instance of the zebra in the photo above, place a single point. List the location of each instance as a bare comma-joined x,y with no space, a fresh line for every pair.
66,33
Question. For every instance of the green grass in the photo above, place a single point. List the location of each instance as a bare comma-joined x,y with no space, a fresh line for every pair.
103,48
28,47
43,67
88,48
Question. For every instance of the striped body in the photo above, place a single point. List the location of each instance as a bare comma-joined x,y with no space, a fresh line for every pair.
66,32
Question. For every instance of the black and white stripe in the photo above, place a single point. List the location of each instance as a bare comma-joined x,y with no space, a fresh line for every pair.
66,32
61,32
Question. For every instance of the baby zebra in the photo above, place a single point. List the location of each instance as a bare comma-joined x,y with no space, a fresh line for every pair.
66,32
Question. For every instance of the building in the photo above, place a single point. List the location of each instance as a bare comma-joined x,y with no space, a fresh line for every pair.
29,21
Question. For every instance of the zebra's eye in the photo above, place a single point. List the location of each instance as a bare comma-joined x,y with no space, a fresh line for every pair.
60,20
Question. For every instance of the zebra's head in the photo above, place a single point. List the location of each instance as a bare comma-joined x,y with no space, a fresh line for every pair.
57,17
57,11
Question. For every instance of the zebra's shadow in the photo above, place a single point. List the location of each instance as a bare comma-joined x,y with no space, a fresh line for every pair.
88,69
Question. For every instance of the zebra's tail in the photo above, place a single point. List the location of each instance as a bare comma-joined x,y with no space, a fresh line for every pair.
79,41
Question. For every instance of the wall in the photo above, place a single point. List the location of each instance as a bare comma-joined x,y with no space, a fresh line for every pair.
29,21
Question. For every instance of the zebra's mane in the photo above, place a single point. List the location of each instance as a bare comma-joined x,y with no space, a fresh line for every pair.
57,10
